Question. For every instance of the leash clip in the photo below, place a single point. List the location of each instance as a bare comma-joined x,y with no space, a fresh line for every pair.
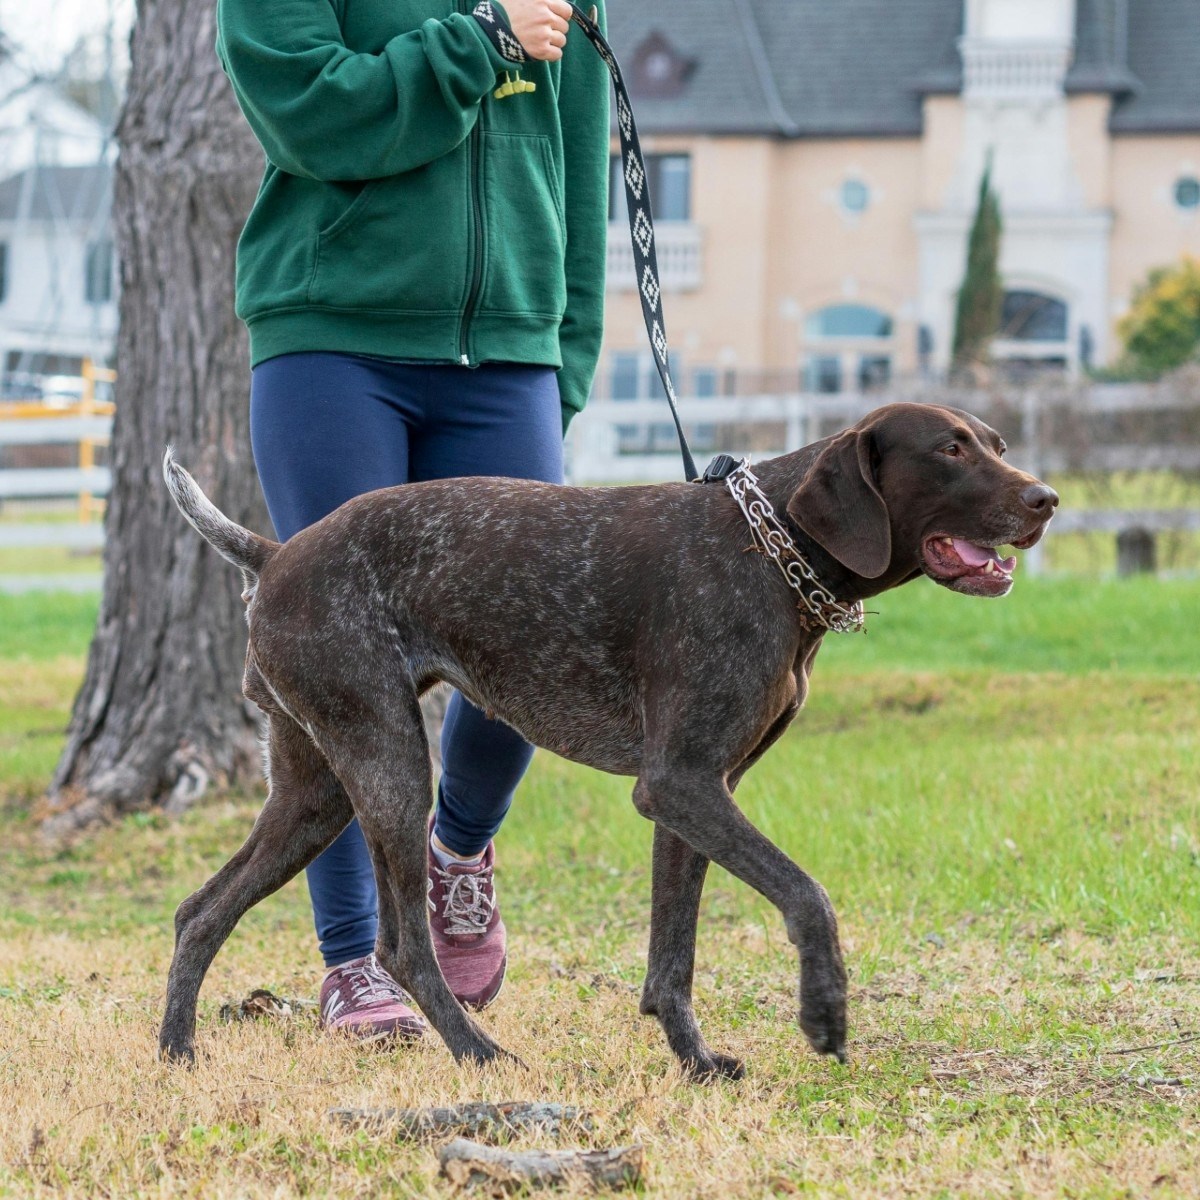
719,469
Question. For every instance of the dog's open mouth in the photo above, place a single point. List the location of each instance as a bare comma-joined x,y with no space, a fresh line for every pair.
969,567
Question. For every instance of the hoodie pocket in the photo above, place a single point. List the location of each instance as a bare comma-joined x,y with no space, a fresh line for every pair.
524,269
399,245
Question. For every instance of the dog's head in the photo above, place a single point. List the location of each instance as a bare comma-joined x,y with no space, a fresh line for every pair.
916,487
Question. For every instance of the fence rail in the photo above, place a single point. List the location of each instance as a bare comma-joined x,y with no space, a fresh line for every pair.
633,441
84,425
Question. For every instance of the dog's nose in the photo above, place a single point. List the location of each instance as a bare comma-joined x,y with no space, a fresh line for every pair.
1041,499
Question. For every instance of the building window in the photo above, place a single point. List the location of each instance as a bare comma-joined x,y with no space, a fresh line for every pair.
626,372
823,373
3,271
849,321
1187,193
1032,317
705,383
874,372
98,273
855,196
670,181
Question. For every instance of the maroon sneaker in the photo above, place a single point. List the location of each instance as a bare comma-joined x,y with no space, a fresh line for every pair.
360,998
468,933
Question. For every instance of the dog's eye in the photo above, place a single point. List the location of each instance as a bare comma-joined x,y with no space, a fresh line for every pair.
952,448
1003,449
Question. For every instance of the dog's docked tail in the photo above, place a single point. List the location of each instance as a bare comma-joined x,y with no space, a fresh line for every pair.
244,549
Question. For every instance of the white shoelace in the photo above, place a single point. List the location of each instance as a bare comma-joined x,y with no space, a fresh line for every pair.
467,908
367,984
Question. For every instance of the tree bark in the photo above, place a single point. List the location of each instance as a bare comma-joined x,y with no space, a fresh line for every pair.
160,716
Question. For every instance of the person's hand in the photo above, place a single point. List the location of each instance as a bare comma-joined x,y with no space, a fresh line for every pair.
540,26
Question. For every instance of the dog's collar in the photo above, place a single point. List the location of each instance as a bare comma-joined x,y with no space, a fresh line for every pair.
820,606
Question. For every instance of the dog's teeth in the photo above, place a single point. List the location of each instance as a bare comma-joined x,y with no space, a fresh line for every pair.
989,567
948,541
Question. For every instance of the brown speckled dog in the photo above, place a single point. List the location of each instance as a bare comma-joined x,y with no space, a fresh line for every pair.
624,628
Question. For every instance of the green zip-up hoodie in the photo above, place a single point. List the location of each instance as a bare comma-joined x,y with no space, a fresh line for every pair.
407,213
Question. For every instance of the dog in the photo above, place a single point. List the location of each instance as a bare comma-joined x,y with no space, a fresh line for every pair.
625,628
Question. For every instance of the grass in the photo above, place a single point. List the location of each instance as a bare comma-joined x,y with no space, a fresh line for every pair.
1001,799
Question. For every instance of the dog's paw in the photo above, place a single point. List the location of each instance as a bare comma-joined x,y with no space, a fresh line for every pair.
823,1021
483,1050
180,1054
710,1066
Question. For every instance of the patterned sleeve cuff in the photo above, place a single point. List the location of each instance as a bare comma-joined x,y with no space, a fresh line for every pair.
498,32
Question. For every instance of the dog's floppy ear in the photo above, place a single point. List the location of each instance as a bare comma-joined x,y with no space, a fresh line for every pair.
839,506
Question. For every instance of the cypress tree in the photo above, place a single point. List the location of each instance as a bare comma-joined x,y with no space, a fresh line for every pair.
979,299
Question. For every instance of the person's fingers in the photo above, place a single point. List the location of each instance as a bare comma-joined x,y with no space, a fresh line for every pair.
561,8
557,38
558,25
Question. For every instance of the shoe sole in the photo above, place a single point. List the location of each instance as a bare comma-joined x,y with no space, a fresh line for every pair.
400,1034
477,1007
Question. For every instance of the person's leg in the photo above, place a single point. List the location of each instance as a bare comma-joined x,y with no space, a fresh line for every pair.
494,420
498,419
326,428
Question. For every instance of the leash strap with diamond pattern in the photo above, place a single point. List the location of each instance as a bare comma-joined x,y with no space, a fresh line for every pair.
637,195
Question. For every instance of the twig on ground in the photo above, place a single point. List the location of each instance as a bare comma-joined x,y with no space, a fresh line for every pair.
1153,1081
1179,1041
469,1164
480,1119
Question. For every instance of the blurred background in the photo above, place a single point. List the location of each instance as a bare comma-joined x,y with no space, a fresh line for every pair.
990,203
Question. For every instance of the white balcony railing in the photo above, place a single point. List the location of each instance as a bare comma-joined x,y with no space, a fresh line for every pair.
1000,70
680,265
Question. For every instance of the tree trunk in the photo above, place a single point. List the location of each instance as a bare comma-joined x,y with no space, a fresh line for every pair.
160,716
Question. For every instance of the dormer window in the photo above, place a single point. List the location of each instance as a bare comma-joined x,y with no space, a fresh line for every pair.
659,71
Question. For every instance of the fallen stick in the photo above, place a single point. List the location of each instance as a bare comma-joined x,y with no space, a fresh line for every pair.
508,1116
1179,1041
469,1164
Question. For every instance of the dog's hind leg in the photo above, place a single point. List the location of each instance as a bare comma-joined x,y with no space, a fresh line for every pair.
677,882
305,810
382,758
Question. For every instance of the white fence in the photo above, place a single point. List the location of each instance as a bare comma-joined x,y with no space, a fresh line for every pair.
54,483
629,441
634,441
599,453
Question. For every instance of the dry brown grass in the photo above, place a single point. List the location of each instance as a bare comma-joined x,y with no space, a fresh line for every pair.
924,1109
1016,861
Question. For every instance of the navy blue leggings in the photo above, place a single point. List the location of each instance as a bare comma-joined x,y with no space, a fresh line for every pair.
328,427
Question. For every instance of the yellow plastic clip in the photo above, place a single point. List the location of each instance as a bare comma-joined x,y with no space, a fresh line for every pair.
514,87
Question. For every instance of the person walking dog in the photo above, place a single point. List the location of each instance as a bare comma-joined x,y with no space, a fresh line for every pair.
422,277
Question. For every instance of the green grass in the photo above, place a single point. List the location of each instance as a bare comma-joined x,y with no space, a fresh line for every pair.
1138,625
41,625
1001,798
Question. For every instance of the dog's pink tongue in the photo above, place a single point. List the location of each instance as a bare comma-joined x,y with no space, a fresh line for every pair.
980,556
971,554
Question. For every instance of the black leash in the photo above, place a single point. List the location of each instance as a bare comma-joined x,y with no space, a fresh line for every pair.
637,196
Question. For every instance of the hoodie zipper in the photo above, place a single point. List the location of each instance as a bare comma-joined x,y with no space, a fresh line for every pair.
474,152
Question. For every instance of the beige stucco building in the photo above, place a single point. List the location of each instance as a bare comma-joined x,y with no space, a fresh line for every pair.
815,168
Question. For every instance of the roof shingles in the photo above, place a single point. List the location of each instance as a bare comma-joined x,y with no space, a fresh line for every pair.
858,68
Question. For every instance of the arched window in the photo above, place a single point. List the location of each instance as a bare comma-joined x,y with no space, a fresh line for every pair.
1032,317
849,321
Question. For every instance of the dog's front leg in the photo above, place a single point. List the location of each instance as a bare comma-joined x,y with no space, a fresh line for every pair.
699,809
677,882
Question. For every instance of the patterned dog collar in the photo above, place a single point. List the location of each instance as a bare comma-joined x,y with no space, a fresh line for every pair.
818,604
